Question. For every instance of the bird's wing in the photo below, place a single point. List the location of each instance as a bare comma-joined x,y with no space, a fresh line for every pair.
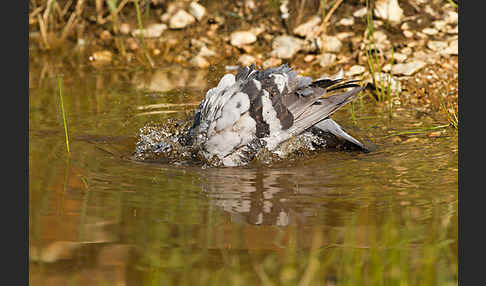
321,108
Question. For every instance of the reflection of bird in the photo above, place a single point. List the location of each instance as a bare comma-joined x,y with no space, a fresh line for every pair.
263,108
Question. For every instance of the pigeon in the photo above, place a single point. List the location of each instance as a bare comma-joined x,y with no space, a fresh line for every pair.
259,109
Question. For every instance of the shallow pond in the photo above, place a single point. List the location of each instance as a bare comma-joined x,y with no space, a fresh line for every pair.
388,217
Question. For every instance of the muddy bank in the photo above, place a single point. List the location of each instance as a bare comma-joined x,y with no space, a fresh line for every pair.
406,50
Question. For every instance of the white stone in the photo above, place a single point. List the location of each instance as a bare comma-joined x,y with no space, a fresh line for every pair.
399,57
408,34
180,20
125,28
355,70
284,47
152,31
452,48
309,28
246,59
284,9
430,31
271,62
406,51
327,59
380,37
452,17
199,61
309,58
197,10
240,38
408,68
332,44
344,35
346,21
437,46
440,25
205,52
453,31
388,10
360,12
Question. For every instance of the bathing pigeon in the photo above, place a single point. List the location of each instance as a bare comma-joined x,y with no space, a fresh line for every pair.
263,108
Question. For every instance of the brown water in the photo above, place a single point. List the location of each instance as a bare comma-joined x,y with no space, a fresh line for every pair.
337,218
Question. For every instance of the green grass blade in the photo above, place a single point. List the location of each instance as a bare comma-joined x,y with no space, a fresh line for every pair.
59,81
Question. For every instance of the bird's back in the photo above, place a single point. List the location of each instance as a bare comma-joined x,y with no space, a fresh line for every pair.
268,105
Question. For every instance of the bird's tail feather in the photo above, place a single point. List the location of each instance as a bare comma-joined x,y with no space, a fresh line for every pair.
329,125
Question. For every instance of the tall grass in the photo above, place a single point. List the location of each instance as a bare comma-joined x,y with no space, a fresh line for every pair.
383,83
140,26
451,113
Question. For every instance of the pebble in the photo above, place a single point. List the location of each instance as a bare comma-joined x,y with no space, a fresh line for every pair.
309,58
284,47
312,45
411,139
452,48
426,57
388,10
360,12
101,56
327,59
408,68
250,4
284,9
271,62
171,10
377,24
430,31
396,139
380,37
452,17
180,20
434,134
453,31
408,34
197,10
240,38
332,44
105,35
246,59
206,52
132,44
429,10
125,28
355,70
399,57
440,25
406,51
199,61
152,31
247,49
343,35
346,21
309,28
437,46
